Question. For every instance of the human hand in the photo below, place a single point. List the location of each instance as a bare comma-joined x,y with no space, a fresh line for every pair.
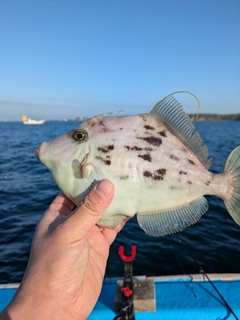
68,258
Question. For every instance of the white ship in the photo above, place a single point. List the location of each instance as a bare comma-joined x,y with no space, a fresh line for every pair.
27,120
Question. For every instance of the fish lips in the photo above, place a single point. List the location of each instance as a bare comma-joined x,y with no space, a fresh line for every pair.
39,152
36,152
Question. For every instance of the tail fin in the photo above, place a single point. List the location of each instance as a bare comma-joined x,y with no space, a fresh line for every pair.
233,166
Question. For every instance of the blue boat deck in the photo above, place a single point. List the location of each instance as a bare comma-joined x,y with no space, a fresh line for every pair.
177,297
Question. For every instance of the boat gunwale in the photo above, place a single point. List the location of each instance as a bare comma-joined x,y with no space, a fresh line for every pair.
198,277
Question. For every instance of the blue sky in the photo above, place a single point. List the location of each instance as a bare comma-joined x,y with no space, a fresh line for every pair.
62,59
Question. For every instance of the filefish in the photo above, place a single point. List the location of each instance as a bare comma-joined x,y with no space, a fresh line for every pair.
156,162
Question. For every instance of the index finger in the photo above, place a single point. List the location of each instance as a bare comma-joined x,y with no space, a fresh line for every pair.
62,204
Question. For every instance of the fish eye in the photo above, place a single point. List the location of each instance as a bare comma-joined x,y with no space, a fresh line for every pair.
80,135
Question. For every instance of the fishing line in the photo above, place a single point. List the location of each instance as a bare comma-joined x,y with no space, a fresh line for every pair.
184,91
189,285
18,166
201,270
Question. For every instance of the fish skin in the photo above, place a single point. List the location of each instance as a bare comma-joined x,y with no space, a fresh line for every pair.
152,169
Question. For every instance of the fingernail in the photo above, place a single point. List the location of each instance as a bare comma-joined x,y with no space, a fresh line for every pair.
104,188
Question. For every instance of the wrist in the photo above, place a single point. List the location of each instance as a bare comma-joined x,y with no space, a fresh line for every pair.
28,306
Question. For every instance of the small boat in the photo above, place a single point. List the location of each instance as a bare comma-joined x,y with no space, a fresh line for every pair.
27,120
183,297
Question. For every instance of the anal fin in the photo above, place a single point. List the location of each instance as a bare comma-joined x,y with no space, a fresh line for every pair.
173,220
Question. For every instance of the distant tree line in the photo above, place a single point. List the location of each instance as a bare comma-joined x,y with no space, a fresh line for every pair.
78,119
215,117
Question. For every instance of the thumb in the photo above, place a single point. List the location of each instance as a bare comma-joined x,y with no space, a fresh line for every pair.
95,203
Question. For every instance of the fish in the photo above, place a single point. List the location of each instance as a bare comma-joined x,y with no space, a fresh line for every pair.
156,161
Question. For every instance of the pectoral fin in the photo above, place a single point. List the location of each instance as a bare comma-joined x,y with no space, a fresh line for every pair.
87,168
174,220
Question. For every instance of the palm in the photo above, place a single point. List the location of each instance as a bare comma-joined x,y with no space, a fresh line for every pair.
85,256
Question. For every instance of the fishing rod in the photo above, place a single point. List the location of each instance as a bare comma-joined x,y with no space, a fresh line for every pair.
201,270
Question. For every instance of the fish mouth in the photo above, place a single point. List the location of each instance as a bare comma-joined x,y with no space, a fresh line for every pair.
37,152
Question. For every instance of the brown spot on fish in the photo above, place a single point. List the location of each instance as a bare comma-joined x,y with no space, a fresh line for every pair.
107,130
161,171
148,127
106,149
124,177
134,148
173,157
162,133
147,174
182,172
190,161
146,157
101,123
121,128
153,141
208,183
107,162
148,149
189,182
157,175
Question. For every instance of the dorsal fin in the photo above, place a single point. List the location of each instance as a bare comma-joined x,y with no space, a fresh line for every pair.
170,111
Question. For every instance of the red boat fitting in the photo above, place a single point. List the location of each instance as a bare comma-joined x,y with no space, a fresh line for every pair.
129,258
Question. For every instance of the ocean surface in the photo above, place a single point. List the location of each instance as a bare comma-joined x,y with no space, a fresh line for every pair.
25,193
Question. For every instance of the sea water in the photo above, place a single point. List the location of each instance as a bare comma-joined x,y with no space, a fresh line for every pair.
25,193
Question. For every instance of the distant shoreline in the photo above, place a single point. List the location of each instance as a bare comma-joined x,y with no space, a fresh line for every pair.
215,117
201,117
